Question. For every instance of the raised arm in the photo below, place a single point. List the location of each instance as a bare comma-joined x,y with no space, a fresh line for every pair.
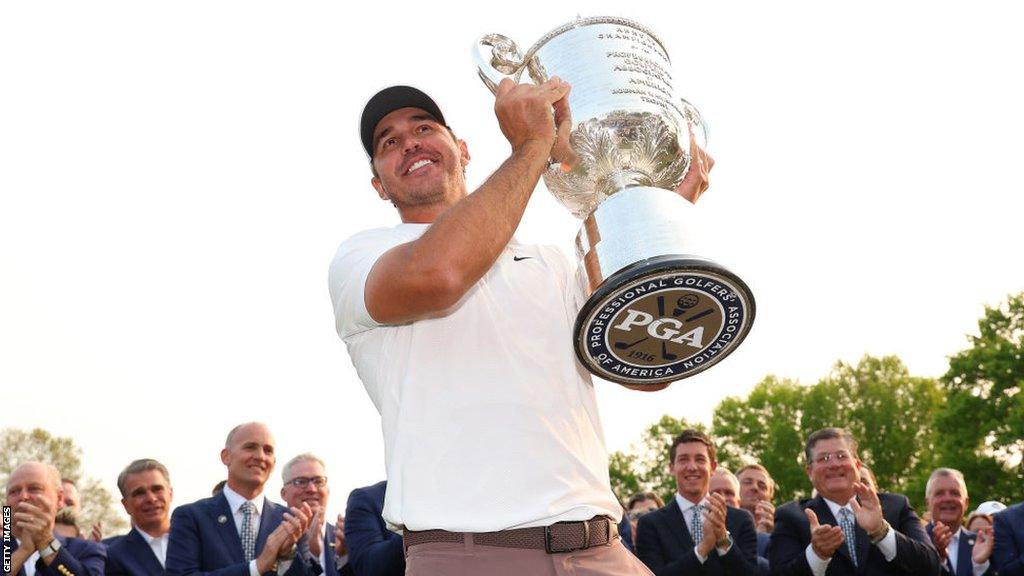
430,274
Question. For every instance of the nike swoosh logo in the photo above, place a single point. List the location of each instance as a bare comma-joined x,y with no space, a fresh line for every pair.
518,258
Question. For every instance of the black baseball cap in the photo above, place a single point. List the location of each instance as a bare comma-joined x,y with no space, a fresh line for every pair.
387,101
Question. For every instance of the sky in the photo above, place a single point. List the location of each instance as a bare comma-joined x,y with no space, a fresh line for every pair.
175,178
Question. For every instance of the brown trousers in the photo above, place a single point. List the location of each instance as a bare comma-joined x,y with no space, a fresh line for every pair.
467,559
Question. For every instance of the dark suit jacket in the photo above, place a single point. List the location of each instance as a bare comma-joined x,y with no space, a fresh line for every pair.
964,563
664,544
130,555
762,553
626,533
204,539
1008,553
76,556
330,558
915,554
373,550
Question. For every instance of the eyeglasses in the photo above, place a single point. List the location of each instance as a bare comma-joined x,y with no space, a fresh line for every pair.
303,481
840,456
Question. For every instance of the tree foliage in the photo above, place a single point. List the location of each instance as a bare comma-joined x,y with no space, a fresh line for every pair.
645,467
982,425
17,446
889,412
765,428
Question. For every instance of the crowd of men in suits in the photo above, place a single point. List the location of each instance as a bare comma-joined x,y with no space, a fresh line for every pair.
717,522
237,531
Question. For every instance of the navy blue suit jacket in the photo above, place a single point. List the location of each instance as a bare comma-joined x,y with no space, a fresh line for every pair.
204,539
330,558
762,553
76,556
130,555
1008,553
373,550
664,544
964,563
915,555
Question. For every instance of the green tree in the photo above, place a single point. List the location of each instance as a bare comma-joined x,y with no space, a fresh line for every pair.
765,428
981,429
17,446
645,467
889,412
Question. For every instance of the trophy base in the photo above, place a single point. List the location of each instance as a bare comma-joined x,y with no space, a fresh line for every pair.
656,313
662,320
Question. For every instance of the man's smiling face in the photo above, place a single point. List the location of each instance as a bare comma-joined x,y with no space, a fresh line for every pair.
417,161
250,456
692,466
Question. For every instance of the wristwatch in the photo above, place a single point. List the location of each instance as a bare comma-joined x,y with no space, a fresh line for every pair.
50,548
724,542
881,533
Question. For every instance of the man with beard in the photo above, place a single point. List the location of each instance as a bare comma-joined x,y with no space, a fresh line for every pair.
495,464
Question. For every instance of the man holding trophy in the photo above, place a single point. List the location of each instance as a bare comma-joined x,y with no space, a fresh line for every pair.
495,457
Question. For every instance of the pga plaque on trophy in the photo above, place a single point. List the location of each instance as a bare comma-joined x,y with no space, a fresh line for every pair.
652,310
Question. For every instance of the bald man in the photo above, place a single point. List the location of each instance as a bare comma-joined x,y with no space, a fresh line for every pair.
239,532
34,494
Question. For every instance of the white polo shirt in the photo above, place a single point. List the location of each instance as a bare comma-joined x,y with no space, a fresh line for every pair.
489,421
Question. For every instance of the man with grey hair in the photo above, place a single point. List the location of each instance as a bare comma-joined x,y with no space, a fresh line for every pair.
239,531
146,494
34,494
726,484
304,480
847,528
963,553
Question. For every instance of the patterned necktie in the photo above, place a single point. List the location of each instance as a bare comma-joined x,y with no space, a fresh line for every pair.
846,523
698,523
248,533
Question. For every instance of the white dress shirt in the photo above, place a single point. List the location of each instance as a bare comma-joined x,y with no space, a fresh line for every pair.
689,510
235,501
157,544
887,545
953,554
30,564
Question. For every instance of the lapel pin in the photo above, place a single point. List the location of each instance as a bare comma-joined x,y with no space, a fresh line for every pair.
222,519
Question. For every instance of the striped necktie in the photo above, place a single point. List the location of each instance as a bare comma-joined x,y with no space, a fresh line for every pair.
248,532
846,523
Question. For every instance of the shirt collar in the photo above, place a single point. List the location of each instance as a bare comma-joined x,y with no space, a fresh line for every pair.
149,539
235,501
685,504
835,507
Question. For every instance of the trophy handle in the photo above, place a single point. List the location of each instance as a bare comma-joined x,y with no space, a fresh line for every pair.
696,123
503,61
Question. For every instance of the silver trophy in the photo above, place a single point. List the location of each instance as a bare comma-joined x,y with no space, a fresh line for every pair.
654,312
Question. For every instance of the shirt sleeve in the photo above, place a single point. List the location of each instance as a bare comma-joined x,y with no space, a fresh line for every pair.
887,545
347,278
818,565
